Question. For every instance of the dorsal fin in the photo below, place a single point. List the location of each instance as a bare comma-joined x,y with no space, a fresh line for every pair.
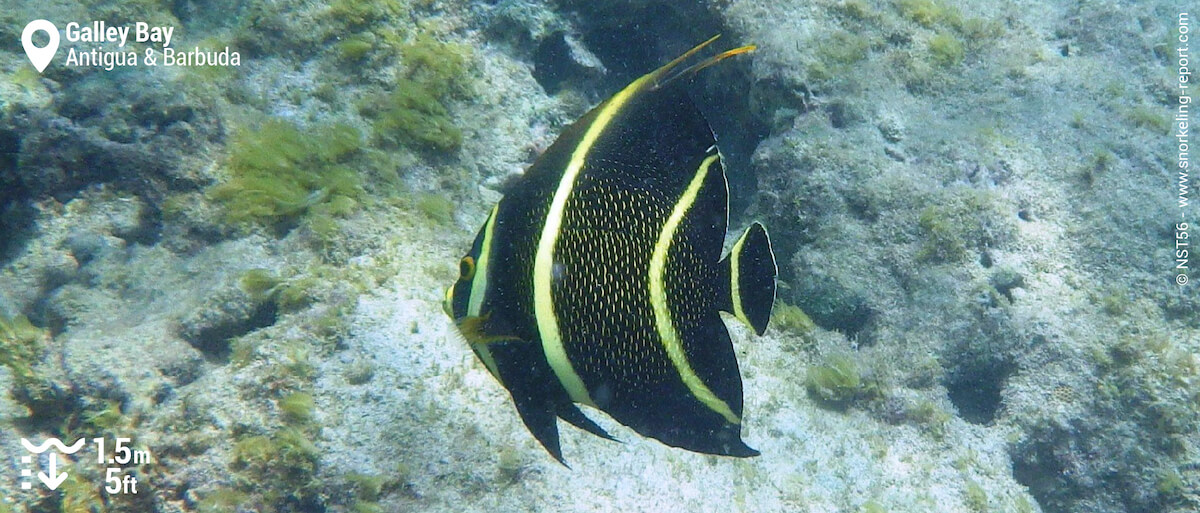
695,68
666,74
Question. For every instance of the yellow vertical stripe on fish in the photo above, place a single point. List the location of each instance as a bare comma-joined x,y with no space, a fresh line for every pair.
543,263
479,288
734,290
658,299
480,281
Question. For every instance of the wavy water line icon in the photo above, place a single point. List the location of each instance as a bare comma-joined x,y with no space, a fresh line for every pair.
56,443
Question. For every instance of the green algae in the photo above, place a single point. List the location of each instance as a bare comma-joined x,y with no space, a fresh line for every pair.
943,241
857,10
356,47
358,13
1022,505
286,451
280,173
367,487
1101,162
366,507
297,407
976,496
1152,118
979,30
511,467
953,35
340,206
945,49
414,114
261,284
288,454
1150,378
872,507
927,13
436,64
792,318
1170,485
60,410
27,78
842,49
222,500
107,418
359,372
298,365
927,413
21,346
297,293
436,207
208,81
79,495
962,221
835,383
243,352
283,294
288,294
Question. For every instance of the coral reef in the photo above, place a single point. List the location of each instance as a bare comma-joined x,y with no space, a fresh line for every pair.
241,268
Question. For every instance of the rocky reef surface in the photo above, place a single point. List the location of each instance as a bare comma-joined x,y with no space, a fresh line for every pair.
241,268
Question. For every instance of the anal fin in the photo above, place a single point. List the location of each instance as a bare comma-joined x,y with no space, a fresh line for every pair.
540,419
750,271
523,371
570,413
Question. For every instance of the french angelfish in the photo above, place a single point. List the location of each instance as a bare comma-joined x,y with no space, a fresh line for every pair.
598,278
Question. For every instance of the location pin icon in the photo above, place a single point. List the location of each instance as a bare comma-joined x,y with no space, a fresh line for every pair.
40,57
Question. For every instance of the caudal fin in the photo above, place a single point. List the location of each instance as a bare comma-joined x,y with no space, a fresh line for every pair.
751,271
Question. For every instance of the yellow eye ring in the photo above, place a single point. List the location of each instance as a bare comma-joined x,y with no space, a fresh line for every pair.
466,268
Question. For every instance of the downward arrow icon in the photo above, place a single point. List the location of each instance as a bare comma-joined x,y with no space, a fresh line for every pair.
54,479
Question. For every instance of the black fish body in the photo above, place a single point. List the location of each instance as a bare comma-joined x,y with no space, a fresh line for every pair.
598,278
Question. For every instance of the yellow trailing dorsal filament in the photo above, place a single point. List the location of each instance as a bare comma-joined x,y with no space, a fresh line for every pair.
693,69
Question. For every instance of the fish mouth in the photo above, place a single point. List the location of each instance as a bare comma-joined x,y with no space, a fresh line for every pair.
448,304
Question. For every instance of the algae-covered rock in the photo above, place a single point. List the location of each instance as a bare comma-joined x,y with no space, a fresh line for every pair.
836,382
226,313
280,173
131,135
562,59
834,302
415,113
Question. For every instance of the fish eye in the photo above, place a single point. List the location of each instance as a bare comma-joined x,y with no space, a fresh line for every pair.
466,268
